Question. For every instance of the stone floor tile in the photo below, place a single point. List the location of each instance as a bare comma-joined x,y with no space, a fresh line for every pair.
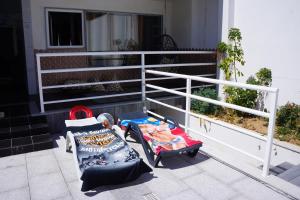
48,187
39,165
17,194
179,167
221,171
39,153
164,183
61,154
100,193
209,187
13,178
68,170
134,190
252,189
187,194
12,161
66,198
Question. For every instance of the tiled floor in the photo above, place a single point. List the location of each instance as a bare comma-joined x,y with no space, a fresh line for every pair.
50,174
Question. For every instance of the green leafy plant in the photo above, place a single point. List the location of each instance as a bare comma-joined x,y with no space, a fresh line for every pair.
231,54
204,107
288,122
289,116
264,77
242,97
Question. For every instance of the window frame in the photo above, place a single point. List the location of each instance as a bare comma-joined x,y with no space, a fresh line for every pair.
49,46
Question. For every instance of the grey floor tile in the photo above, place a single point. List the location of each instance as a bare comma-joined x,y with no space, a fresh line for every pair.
252,189
164,183
187,194
221,171
39,165
17,194
48,186
296,181
133,190
75,189
65,198
60,150
239,197
180,168
39,153
13,178
210,188
12,161
68,169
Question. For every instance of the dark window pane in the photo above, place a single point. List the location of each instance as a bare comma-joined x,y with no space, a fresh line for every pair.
65,29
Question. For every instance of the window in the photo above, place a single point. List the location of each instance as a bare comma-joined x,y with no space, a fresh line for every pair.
64,28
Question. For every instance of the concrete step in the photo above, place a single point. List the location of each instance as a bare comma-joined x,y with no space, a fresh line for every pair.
25,144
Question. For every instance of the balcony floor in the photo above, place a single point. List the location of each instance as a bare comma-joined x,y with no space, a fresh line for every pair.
50,174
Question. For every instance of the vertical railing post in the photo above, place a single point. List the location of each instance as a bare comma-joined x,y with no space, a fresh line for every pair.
271,126
188,104
143,73
38,64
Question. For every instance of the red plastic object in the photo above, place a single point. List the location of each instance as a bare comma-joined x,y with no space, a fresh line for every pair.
88,112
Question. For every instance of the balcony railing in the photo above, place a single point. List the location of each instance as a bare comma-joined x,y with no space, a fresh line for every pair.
273,94
148,69
141,66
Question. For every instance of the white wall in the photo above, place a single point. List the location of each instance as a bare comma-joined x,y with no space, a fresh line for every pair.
271,38
133,6
194,23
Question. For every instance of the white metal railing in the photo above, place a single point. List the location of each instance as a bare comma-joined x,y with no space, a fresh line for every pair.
146,69
143,66
271,115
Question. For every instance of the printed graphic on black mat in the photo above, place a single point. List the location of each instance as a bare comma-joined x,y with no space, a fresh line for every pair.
104,157
110,149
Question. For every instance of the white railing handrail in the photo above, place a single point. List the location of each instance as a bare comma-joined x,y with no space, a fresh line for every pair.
271,115
109,53
216,81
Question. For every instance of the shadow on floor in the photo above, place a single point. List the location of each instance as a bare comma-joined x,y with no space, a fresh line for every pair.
182,161
142,179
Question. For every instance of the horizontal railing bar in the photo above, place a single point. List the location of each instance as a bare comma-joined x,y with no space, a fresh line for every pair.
181,88
112,82
114,95
218,122
227,145
179,65
166,78
85,69
228,105
90,84
107,53
213,139
90,98
164,104
215,81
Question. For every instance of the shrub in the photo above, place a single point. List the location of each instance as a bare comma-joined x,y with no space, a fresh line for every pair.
264,76
204,107
242,97
288,116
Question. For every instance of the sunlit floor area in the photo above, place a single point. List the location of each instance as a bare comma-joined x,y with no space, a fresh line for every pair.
51,174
